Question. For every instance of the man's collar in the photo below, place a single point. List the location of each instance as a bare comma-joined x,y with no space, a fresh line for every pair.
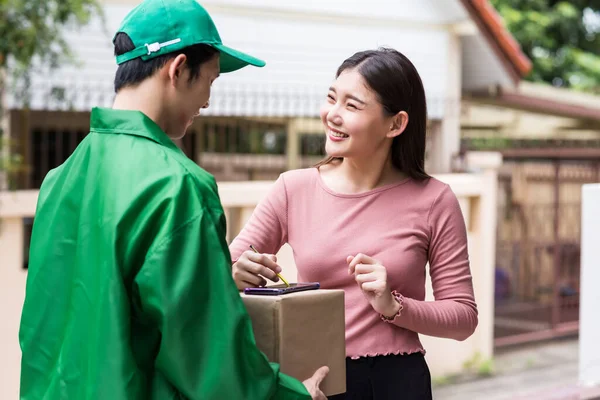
128,122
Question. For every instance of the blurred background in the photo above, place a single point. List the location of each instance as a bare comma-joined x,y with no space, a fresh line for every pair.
513,90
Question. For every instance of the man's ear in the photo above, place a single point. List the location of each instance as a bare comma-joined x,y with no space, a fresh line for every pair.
398,125
176,69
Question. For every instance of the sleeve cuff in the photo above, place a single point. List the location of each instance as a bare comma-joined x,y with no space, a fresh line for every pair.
400,299
288,388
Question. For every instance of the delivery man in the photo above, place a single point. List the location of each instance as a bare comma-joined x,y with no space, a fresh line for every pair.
129,293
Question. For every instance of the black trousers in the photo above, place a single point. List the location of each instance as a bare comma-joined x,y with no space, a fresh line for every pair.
401,377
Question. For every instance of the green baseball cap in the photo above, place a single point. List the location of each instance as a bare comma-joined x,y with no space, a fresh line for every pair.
158,27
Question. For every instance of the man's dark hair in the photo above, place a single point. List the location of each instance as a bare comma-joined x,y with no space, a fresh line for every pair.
134,71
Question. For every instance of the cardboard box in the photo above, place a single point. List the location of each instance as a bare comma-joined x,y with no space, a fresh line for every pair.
302,332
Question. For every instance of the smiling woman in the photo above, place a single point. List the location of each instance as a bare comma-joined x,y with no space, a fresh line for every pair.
367,220
377,105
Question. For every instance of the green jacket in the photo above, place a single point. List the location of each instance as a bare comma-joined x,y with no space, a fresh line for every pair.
129,292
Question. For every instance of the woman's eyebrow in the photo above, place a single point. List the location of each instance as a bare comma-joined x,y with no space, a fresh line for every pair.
332,89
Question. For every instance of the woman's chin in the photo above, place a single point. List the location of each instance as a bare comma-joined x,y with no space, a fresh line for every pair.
332,150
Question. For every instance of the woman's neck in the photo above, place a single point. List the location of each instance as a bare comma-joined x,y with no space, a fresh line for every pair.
352,176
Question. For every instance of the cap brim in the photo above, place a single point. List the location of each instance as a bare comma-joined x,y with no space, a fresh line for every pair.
232,60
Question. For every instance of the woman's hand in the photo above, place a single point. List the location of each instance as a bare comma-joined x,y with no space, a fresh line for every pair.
251,269
371,277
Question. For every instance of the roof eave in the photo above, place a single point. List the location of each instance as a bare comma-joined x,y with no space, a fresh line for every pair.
500,96
504,45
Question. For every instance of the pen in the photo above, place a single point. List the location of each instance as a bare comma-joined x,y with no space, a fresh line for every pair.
280,277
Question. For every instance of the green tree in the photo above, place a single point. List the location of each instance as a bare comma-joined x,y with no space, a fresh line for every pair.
33,30
11,163
562,38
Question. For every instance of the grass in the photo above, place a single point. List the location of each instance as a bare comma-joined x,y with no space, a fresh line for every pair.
475,367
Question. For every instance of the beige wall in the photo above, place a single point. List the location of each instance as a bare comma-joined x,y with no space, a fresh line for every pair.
12,285
477,195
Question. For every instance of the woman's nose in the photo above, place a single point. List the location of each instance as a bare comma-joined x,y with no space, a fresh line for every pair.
333,116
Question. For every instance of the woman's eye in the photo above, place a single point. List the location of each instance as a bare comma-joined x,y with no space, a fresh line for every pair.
330,97
350,105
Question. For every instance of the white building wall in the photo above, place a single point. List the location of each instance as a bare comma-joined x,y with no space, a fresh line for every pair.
303,45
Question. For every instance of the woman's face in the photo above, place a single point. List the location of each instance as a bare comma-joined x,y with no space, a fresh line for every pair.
355,123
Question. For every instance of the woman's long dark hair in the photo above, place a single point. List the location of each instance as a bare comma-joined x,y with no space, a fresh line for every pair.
398,86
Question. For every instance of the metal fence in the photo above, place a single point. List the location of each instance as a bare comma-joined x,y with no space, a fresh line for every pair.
231,148
538,250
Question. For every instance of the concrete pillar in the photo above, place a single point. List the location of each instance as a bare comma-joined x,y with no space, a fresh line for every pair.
485,214
445,137
589,309
477,194
435,149
293,144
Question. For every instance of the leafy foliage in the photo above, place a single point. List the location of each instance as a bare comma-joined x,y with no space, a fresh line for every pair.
562,38
32,30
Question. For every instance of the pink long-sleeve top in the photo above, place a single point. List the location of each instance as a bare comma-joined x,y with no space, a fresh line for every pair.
402,225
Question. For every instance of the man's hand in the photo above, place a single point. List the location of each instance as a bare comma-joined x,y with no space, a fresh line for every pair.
312,384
